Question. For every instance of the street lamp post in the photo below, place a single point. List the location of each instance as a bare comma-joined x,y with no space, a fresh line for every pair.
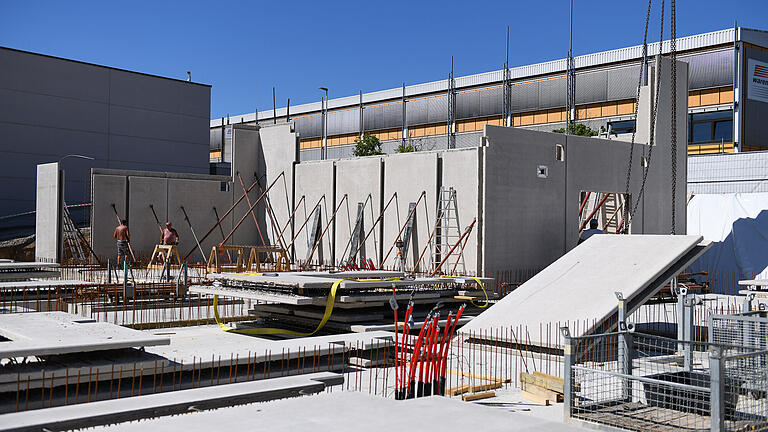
324,148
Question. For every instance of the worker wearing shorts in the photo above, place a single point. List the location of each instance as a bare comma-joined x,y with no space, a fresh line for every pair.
123,237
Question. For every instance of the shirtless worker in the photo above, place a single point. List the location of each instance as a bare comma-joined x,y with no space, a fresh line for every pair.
123,237
169,236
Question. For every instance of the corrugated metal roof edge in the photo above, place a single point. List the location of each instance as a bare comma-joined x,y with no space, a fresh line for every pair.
686,43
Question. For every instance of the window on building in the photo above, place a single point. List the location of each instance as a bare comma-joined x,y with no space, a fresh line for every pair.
622,127
710,127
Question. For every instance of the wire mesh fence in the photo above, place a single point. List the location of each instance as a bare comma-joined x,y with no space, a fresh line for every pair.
641,382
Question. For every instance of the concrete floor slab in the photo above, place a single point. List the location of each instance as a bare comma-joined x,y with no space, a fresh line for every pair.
206,342
360,412
49,333
165,404
580,285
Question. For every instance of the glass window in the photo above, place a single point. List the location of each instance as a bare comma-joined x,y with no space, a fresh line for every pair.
622,127
724,130
716,115
701,132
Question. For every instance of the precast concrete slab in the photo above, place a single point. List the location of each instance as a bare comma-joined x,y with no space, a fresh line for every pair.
168,403
361,411
203,343
50,333
580,286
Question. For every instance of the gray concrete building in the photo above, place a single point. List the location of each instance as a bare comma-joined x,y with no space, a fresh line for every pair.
54,107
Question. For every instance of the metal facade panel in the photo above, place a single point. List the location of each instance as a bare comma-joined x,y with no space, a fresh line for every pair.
343,122
385,116
591,87
416,111
552,92
491,101
437,109
622,82
525,97
468,104
309,126
712,69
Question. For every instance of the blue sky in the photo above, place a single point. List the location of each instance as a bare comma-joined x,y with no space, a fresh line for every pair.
243,49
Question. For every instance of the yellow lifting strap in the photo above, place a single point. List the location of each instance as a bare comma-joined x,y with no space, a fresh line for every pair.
270,331
481,287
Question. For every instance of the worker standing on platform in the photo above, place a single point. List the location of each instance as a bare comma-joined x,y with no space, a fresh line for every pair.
169,236
590,232
123,236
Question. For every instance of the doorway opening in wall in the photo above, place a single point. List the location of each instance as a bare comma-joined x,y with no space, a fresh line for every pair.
606,208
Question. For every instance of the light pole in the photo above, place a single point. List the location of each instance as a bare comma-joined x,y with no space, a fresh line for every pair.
324,148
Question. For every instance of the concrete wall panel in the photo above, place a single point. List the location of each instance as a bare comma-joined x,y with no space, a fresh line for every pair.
524,213
277,155
461,170
48,216
245,162
107,190
198,198
360,179
314,180
409,174
144,191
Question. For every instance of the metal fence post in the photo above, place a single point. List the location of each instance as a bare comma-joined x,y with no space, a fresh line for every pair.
624,349
717,389
567,374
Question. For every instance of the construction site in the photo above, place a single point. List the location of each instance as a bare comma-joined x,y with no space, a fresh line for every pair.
504,276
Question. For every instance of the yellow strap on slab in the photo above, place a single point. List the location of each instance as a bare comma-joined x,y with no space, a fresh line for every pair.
329,302
481,287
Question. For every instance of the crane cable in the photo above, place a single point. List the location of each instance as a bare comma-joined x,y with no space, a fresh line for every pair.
629,214
673,122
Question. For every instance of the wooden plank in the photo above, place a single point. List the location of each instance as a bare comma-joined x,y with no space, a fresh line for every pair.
542,381
541,391
478,376
541,400
454,391
548,382
484,387
478,396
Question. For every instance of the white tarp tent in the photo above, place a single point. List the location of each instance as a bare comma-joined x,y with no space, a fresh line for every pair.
738,225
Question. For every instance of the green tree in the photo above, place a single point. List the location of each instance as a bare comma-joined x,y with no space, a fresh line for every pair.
578,129
369,145
405,148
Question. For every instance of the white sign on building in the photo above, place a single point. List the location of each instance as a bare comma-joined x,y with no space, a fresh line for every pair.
757,76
